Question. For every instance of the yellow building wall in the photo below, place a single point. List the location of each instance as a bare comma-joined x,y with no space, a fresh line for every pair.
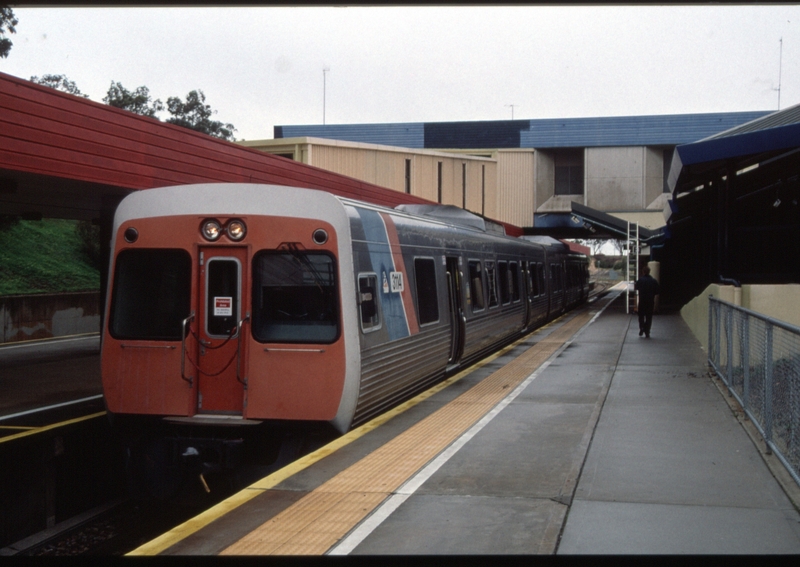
780,302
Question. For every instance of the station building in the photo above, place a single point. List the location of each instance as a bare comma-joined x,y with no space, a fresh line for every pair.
516,171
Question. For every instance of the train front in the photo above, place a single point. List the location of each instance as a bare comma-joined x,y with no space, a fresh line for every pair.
225,307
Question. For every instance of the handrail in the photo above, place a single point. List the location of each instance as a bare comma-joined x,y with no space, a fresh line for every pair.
183,348
239,350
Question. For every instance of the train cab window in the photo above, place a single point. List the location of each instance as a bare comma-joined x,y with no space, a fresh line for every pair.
476,286
502,279
295,298
513,275
152,294
222,283
491,283
368,302
427,296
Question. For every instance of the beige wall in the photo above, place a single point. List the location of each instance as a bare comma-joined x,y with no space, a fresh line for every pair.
780,302
515,194
386,166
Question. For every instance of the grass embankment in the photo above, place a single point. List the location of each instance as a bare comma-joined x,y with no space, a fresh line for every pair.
44,256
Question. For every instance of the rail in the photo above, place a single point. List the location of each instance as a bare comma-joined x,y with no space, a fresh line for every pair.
758,359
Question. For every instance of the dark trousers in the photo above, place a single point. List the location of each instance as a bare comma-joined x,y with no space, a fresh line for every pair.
645,320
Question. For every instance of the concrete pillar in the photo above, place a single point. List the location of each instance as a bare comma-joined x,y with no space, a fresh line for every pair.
737,296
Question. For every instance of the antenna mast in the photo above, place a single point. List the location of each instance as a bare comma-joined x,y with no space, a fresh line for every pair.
780,68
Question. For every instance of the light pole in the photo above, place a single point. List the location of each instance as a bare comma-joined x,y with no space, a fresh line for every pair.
512,110
324,71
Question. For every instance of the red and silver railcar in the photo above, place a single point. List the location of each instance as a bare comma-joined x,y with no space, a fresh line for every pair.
230,304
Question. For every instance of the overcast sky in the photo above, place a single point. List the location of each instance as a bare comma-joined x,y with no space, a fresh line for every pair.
263,66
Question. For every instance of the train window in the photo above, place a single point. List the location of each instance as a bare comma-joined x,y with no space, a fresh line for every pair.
295,298
222,283
502,278
427,297
491,283
476,286
368,302
152,294
513,273
555,276
540,277
533,283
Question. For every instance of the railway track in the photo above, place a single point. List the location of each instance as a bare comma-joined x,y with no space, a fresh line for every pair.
122,524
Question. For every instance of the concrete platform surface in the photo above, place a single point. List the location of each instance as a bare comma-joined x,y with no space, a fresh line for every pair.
616,445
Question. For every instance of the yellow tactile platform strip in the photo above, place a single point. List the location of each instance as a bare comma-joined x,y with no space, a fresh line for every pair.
316,522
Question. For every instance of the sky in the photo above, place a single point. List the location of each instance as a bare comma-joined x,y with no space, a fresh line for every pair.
262,66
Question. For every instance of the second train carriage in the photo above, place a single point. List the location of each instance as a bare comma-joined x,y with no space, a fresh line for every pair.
239,303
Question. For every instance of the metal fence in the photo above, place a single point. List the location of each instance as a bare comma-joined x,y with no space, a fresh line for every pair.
758,359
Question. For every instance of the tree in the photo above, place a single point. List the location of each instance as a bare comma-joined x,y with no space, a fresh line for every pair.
60,83
7,23
138,101
195,114
89,235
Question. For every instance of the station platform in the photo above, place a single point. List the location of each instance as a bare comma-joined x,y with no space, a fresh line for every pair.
49,373
588,440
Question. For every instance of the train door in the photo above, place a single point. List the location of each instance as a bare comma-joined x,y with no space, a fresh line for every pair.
527,290
220,324
458,321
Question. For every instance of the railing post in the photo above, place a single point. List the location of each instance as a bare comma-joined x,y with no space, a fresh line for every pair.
746,364
729,348
710,323
768,389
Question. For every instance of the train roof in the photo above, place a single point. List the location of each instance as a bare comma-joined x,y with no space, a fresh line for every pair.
453,215
546,241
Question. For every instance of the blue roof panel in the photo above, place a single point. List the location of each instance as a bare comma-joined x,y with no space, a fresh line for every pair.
404,135
612,131
667,130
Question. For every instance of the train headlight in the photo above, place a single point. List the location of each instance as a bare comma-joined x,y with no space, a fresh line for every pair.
320,236
131,235
236,229
211,230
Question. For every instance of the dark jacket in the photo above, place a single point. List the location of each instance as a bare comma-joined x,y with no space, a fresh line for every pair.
648,288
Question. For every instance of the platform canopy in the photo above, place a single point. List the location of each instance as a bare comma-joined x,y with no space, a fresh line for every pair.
586,223
65,156
735,211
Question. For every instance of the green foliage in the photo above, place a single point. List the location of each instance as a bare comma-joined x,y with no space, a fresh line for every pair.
89,235
606,262
7,23
60,83
44,256
138,101
195,114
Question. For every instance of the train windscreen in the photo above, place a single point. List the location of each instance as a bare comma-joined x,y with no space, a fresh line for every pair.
295,298
152,294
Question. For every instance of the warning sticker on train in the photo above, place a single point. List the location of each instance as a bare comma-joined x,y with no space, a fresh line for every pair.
223,306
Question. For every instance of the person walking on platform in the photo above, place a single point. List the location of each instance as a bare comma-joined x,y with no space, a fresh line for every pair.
648,289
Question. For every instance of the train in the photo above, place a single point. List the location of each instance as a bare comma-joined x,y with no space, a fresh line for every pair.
233,305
